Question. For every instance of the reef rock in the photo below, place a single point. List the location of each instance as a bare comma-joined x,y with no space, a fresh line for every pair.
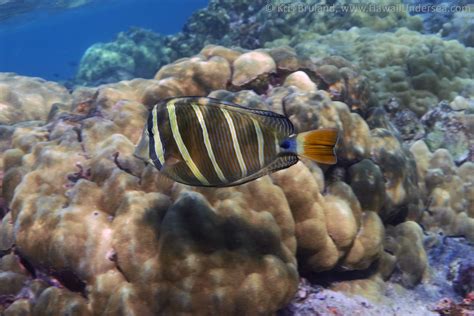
194,76
246,24
105,230
250,24
405,242
111,234
28,99
252,66
460,27
451,127
449,191
135,53
452,19
418,70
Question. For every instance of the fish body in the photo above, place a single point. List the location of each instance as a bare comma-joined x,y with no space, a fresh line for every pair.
202,141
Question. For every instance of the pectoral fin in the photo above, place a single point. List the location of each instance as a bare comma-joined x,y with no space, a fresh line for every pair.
171,161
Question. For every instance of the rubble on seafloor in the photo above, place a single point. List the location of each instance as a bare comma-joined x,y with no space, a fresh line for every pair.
439,295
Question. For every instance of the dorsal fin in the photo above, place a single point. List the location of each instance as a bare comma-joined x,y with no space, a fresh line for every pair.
268,118
281,162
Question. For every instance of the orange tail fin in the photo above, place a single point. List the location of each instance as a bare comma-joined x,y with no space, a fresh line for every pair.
318,145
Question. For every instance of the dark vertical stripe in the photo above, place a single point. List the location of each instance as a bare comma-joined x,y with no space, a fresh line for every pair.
221,140
163,127
151,149
269,144
171,150
247,138
193,139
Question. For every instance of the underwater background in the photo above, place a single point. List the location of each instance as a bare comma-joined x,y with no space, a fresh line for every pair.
88,229
48,38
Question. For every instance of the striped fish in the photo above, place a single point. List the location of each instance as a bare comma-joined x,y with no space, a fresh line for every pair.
207,142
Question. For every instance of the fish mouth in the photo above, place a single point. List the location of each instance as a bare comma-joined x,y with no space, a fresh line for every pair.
142,149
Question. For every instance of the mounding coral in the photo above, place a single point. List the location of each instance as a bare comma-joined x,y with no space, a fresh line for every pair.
451,127
251,24
107,234
135,53
461,27
418,70
123,239
246,24
28,99
452,19
449,191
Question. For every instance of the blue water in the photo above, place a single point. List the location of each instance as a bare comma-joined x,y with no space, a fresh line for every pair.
49,44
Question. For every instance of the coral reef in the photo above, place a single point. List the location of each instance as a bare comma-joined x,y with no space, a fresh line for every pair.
463,277
448,307
251,24
86,228
451,127
453,19
460,27
313,300
448,190
451,271
446,125
28,99
405,242
135,53
437,296
248,24
100,232
417,70
104,229
252,66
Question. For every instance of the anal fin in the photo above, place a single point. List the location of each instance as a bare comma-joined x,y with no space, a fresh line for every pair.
279,163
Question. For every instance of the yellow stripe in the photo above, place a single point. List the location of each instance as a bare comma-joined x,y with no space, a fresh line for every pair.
157,139
207,142
235,141
182,148
258,130
277,143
